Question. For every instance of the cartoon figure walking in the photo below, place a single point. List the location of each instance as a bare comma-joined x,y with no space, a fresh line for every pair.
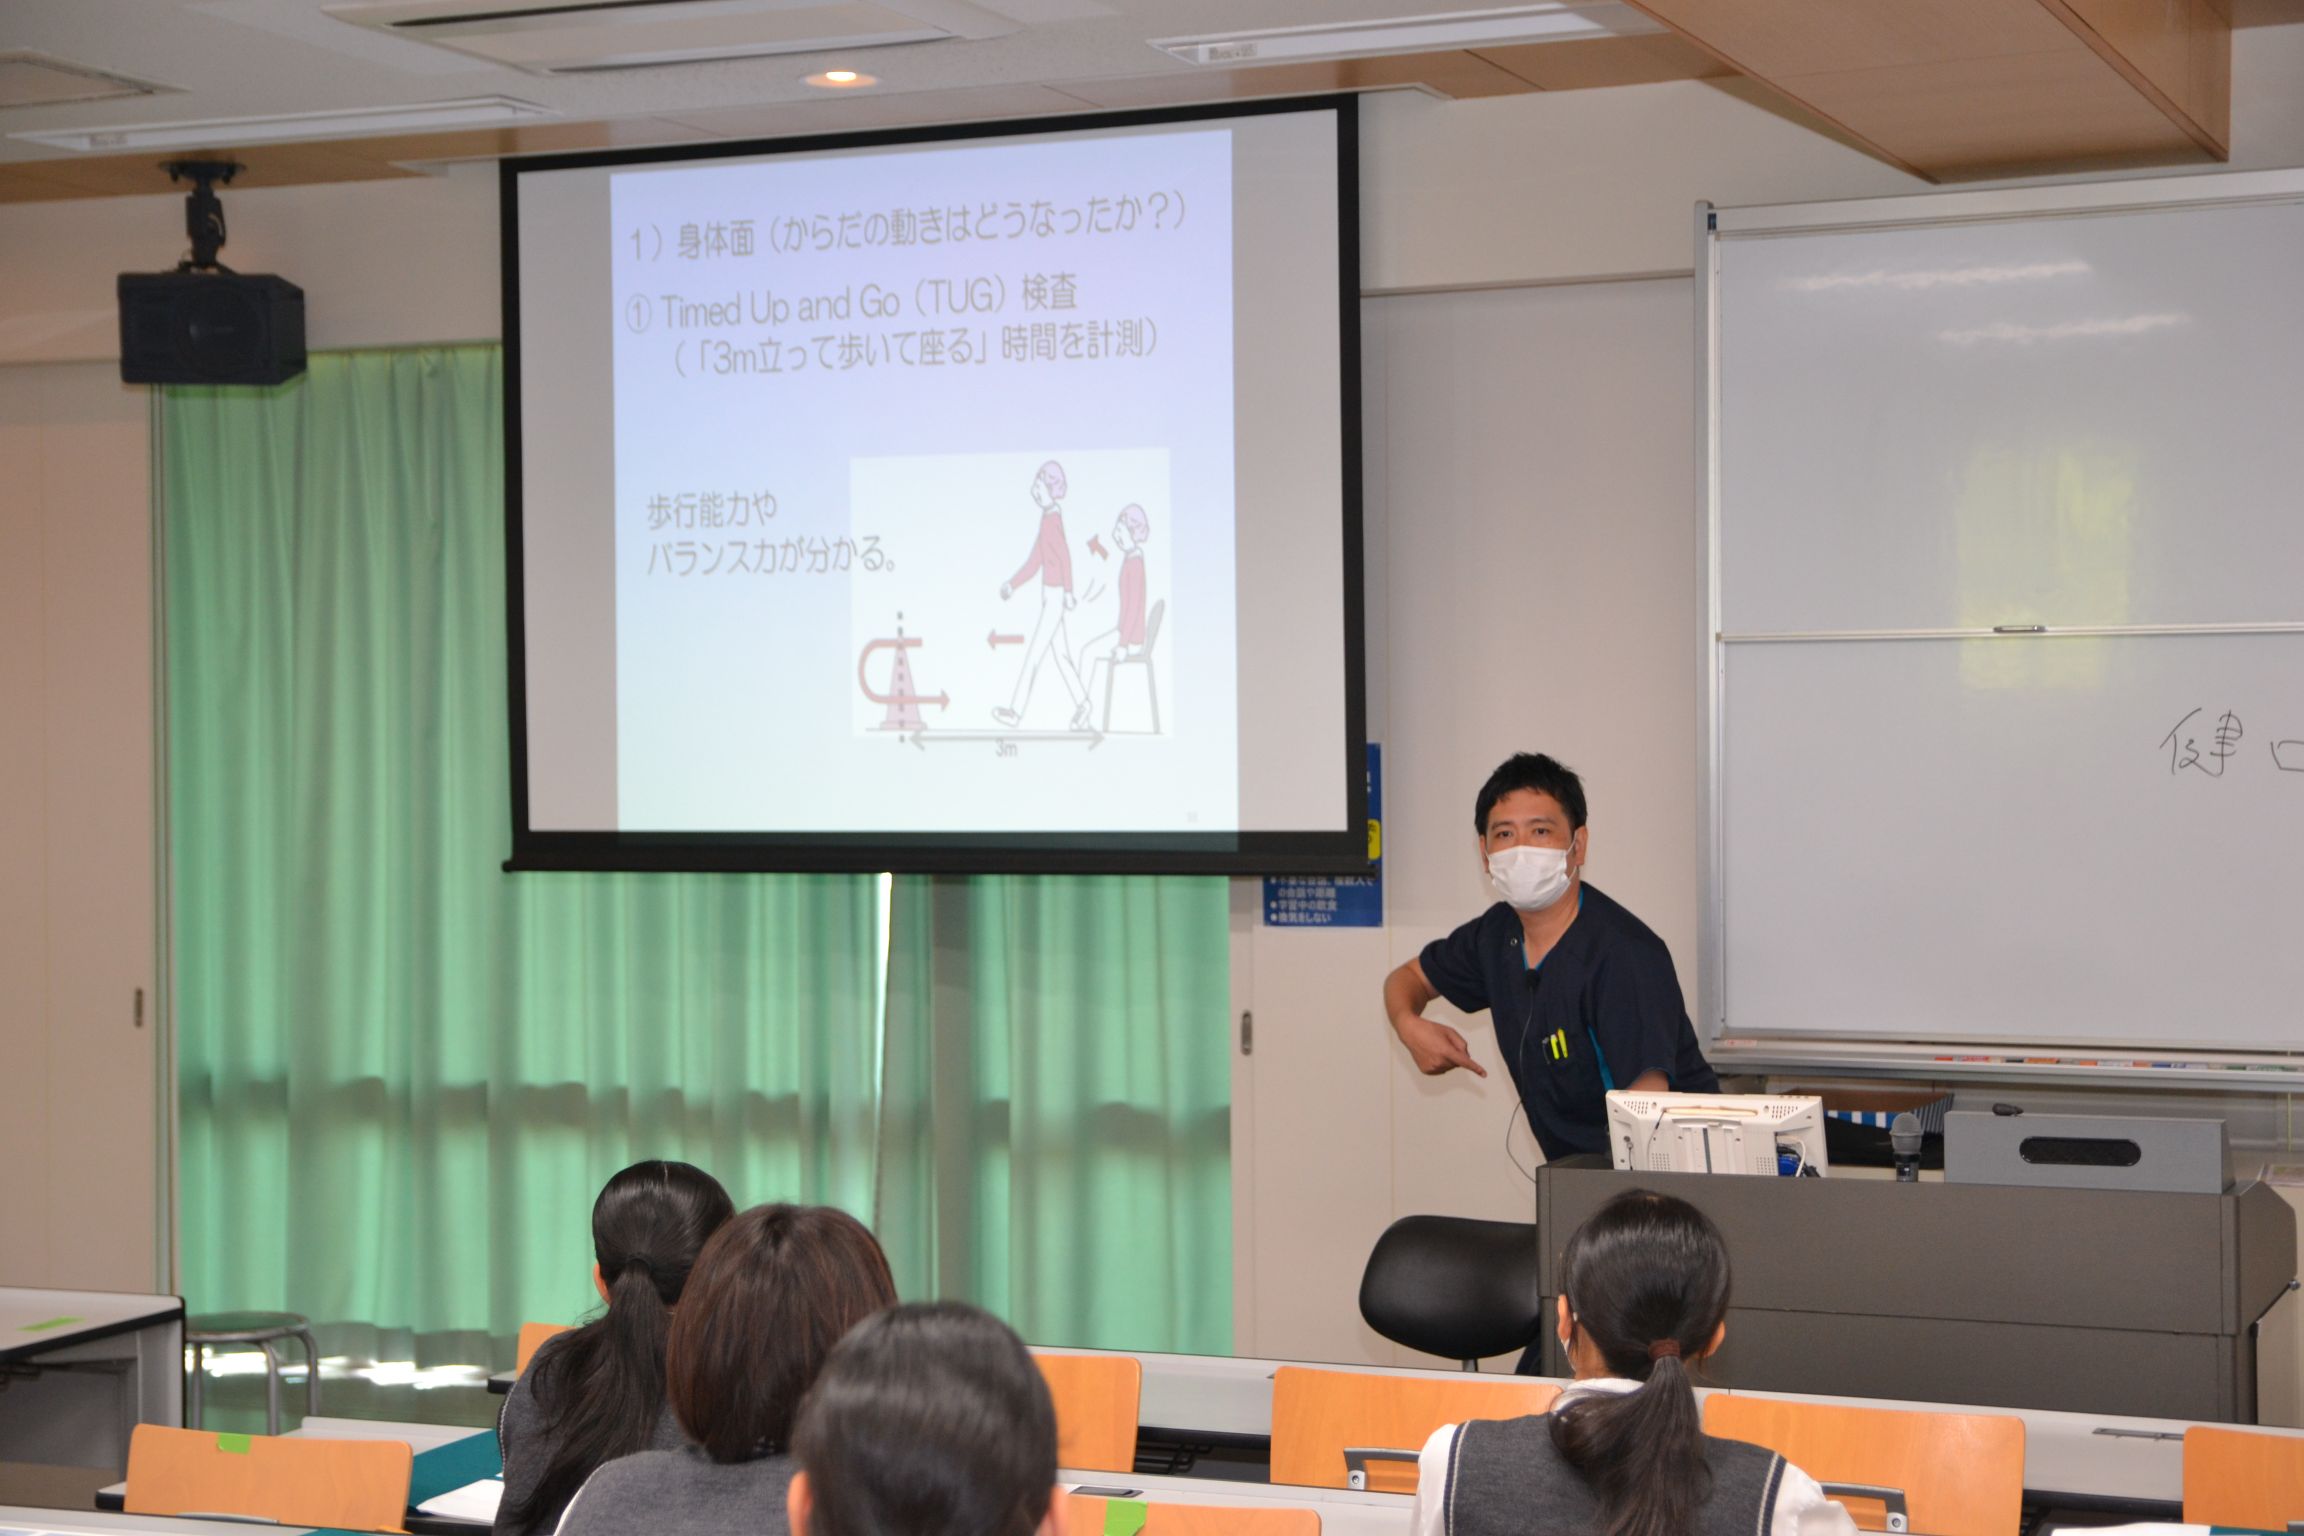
1129,531
1051,560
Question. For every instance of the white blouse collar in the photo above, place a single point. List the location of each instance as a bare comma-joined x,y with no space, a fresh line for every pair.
1612,1384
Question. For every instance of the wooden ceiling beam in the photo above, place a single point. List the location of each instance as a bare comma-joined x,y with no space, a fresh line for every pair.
1951,89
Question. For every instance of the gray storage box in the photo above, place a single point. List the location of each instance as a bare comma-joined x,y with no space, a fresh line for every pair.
2170,1157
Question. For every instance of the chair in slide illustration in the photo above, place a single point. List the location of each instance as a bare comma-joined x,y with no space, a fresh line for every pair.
1142,662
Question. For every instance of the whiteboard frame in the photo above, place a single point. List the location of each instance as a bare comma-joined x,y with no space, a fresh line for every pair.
2227,1068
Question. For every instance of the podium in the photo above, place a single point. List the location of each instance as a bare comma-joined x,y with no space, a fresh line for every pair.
2086,1301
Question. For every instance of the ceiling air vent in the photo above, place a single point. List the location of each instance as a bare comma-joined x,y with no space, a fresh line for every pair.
29,79
557,37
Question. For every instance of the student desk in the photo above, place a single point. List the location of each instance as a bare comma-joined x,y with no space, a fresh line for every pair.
2083,1458
89,1522
83,1369
2069,1458
1342,1512
419,1438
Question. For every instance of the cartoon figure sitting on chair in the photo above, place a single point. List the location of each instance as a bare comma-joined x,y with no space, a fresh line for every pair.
1130,641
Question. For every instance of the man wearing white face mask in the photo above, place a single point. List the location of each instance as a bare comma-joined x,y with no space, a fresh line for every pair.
1582,993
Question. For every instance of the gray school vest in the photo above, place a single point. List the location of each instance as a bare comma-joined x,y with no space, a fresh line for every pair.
1506,1479
682,1493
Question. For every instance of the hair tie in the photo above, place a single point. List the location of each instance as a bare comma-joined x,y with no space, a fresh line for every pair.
1664,1349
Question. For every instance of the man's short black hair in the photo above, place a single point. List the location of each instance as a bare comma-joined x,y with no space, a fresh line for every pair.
1531,770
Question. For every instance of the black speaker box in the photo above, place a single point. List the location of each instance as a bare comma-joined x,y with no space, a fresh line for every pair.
210,328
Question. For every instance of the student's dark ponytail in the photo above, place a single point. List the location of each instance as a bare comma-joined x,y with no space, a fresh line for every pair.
601,1388
1647,1285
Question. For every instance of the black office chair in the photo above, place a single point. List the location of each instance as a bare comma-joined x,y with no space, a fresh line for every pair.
1451,1286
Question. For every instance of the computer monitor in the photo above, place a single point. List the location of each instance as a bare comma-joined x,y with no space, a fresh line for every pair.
1716,1133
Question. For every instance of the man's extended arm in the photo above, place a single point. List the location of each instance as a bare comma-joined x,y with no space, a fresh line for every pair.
1435,1047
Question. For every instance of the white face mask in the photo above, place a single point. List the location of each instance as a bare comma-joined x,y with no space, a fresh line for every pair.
1531,879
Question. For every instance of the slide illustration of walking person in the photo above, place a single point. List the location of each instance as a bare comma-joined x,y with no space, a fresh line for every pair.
1128,638
1051,560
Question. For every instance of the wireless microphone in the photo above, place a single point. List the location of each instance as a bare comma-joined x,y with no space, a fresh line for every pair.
1905,1136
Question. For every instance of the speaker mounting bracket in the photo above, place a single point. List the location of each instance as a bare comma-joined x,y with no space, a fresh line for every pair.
203,210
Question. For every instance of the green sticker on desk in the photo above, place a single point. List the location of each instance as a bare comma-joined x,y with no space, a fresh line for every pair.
1124,1517
235,1445
54,1322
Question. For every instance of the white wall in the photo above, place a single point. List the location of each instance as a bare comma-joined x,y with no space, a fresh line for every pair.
1582,461
1533,583
76,887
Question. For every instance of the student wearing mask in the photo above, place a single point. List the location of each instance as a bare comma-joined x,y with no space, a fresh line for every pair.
597,1393
1582,993
1623,1452
927,1421
772,1292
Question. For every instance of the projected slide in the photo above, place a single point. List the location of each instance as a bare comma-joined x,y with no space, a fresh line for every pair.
924,489
982,499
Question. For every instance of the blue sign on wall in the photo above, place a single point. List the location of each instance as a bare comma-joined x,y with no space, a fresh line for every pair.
1336,901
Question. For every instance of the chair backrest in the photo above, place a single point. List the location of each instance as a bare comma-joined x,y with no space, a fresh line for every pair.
1096,1404
358,1485
2241,1477
1319,1415
1961,1474
1455,1287
1089,1517
1152,624
532,1335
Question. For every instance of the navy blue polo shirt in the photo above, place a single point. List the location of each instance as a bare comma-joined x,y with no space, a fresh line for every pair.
1602,1010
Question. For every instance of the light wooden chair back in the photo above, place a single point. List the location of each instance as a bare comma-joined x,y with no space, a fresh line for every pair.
1094,1517
1320,1416
1096,1406
357,1485
532,1336
2239,1477
1955,1474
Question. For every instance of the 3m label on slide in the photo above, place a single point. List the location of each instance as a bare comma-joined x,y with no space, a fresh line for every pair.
1124,1517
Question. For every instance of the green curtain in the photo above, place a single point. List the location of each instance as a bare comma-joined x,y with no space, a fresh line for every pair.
403,1074
1056,1125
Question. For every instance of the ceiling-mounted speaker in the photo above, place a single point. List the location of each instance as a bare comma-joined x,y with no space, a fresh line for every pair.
210,327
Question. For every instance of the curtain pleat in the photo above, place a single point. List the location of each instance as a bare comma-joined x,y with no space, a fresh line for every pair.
404,1074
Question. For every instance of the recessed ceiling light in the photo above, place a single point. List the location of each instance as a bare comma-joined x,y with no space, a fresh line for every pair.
842,80
230,132
1549,22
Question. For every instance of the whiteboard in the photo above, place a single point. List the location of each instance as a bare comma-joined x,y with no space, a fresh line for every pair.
1931,417
2082,839
2070,420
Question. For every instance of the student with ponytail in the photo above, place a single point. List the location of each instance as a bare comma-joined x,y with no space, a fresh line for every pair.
773,1291
597,1393
1623,1452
